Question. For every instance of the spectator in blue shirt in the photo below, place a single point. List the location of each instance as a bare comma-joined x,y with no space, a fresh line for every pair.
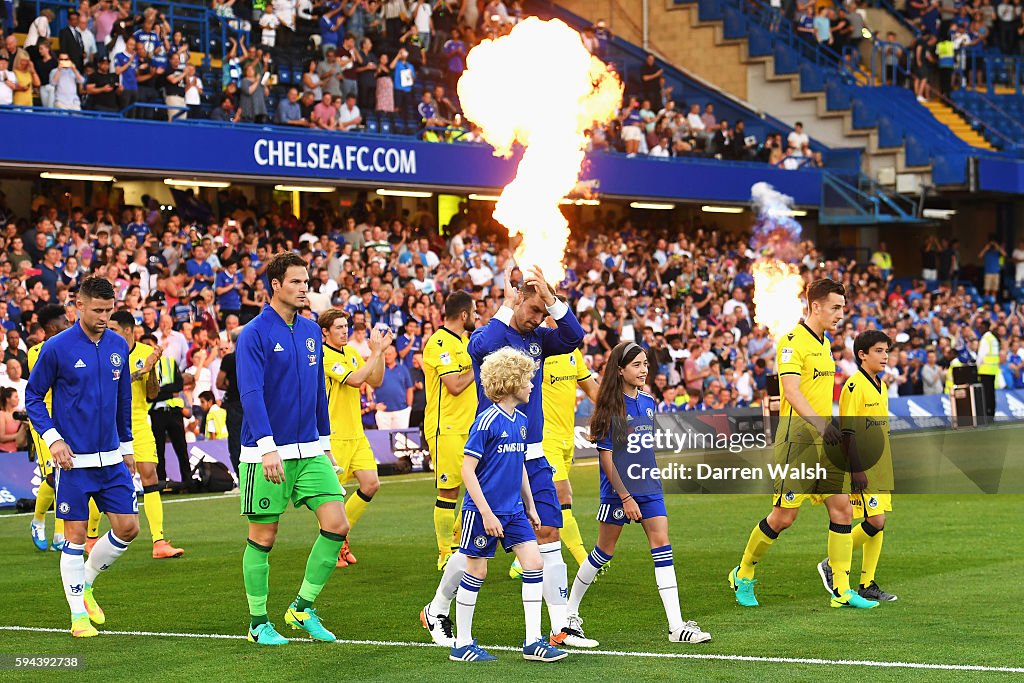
289,112
229,289
148,37
428,112
394,396
365,305
409,343
49,270
992,257
455,58
138,226
805,25
199,270
405,78
330,25
125,65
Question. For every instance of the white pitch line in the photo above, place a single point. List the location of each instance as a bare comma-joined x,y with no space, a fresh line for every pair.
228,494
605,653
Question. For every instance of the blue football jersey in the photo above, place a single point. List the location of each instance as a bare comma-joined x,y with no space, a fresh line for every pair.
639,420
539,344
498,441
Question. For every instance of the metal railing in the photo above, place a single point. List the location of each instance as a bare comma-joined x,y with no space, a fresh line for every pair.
844,202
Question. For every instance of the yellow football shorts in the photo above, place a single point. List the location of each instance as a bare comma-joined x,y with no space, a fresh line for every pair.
145,450
793,490
559,453
446,452
352,455
870,504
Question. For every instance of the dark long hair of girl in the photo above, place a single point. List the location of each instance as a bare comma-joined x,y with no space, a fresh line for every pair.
610,412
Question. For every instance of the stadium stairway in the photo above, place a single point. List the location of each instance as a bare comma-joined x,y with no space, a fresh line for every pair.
848,195
904,144
796,89
961,128
627,58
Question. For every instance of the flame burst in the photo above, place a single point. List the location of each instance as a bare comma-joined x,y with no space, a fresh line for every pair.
777,289
777,284
540,87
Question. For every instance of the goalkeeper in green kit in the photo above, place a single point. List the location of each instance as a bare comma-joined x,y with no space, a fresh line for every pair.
286,448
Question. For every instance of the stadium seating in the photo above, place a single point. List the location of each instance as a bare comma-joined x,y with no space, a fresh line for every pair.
900,121
627,58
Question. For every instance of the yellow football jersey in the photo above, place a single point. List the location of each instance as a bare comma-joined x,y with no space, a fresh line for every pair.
42,452
561,375
443,354
864,413
141,429
343,400
803,353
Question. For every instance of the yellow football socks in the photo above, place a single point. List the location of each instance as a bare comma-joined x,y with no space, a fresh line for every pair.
761,539
840,555
94,520
355,507
444,524
869,537
154,507
571,536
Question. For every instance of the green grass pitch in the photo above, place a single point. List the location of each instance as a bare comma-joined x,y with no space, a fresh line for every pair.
954,561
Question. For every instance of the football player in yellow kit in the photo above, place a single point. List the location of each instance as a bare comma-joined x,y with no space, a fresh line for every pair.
451,408
141,360
562,375
806,376
344,373
53,319
864,418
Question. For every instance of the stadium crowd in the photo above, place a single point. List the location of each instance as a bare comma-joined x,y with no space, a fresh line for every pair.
333,65
684,295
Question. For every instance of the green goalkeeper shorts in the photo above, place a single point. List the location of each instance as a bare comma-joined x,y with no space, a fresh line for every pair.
307,481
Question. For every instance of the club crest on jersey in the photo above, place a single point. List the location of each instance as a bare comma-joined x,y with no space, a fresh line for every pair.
139,364
534,349
65,508
522,433
572,360
116,360
310,344
480,541
650,412
618,513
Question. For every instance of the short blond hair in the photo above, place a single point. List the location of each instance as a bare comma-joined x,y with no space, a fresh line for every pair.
505,372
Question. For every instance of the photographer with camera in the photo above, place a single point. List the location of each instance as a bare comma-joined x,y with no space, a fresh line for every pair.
13,422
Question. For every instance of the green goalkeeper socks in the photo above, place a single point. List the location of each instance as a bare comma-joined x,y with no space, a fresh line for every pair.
321,563
256,575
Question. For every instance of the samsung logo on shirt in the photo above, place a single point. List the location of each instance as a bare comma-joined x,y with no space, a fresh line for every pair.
327,156
511,448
